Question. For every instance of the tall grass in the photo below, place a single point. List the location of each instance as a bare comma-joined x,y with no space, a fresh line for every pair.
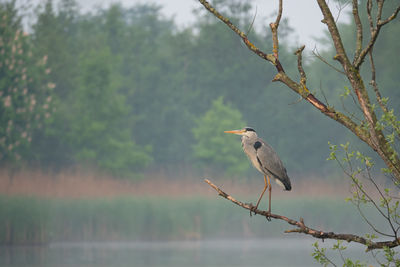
34,220
24,220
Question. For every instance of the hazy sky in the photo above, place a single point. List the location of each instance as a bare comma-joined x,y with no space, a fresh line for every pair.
304,15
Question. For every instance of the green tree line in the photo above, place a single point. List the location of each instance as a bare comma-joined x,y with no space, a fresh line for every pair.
125,90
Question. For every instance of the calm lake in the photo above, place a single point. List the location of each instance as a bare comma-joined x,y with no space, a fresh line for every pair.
265,252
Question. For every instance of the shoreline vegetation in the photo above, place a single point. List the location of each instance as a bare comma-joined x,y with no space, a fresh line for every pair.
38,209
89,184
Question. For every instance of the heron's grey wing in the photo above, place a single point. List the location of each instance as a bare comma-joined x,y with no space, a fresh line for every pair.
271,163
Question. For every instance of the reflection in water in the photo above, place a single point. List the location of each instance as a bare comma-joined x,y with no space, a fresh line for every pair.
266,252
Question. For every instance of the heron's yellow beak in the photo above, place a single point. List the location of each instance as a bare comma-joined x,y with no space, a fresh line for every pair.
239,132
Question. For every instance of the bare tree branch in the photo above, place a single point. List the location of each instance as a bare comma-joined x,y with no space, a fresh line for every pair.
252,23
387,204
373,136
357,21
318,55
371,60
341,56
340,7
284,78
242,35
376,139
369,15
303,77
369,223
334,32
391,17
323,255
375,32
274,29
370,54
374,84
362,190
302,228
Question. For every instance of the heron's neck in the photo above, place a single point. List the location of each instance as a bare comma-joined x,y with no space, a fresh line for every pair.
249,137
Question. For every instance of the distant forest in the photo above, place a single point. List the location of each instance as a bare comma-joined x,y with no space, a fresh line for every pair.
126,91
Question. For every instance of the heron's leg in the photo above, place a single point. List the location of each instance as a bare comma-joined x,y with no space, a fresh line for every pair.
262,193
269,190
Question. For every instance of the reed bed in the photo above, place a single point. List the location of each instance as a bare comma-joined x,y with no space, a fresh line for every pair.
35,220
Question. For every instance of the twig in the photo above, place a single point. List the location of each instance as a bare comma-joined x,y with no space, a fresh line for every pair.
371,60
374,84
359,187
303,77
350,114
325,257
369,15
357,21
318,55
369,223
302,228
375,31
242,35
274,29
387,204
391,17
296,101
252,23
323,93
334,32
341,256
340,8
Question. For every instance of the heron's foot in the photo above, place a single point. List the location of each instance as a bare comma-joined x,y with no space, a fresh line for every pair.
268,216
252,209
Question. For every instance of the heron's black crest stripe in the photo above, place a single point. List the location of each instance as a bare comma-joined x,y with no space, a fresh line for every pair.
257,145
249,129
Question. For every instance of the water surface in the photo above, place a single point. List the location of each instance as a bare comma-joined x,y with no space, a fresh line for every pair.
265,252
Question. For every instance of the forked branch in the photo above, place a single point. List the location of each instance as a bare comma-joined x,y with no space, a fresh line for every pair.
281,76
376,138
302,228
371,134
358,60
242,35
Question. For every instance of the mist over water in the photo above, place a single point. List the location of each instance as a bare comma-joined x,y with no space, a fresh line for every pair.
111,118
222,252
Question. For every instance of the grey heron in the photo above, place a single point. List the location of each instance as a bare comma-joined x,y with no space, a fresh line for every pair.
265,160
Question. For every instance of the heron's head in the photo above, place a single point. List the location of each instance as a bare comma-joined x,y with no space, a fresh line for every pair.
247,131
